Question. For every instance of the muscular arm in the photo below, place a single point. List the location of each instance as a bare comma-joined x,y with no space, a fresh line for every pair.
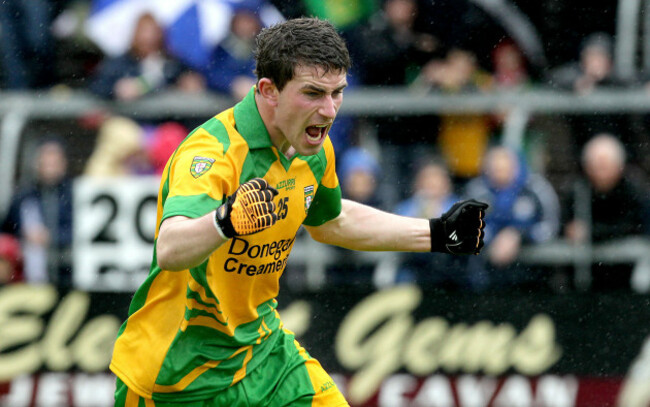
361,227
185,242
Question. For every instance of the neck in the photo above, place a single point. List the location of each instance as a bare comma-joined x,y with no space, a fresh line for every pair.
290,152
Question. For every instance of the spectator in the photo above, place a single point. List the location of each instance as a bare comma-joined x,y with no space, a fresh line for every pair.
390,41
463,138
432,196
594,69
510,70
41,216
77,56
524,209
145,68
10,260
605,205
457,72
388,50
26,45
359,174
433,192
231,65
119,150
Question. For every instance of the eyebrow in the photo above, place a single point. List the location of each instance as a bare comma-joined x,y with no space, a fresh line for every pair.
321,90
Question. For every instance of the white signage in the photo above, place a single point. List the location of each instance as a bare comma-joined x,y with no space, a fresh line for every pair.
114,225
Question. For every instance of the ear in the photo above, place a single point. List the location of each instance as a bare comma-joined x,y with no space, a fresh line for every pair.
268,91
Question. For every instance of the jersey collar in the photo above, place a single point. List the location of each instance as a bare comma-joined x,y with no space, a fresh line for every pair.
249,122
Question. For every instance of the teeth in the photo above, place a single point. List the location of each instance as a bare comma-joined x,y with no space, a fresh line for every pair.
321,127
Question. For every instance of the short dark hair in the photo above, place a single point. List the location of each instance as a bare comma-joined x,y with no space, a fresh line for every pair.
299,42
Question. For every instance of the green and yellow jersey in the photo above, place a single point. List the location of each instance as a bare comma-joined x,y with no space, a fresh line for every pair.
194,332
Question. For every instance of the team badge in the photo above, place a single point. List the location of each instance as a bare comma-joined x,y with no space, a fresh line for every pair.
309,197
200,165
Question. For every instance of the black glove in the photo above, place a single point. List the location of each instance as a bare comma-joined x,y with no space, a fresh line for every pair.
249,210
460,229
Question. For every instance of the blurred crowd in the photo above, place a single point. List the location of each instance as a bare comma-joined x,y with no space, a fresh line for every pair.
581,180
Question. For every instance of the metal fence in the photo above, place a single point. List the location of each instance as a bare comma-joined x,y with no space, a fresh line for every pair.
18,109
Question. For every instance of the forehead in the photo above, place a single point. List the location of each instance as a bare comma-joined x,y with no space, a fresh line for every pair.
500,157
316,76
49,149
602,152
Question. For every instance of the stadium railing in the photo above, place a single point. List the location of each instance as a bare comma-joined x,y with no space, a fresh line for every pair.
17,109
635,250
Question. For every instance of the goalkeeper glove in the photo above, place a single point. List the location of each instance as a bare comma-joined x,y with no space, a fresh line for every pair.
249,210
460,229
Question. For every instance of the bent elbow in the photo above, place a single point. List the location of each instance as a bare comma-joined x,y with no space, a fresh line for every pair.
162,264
162,257
169,265
165,258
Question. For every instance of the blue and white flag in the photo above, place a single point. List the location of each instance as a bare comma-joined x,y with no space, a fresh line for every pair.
192,27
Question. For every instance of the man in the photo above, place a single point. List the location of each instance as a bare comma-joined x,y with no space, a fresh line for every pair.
524,210
203,328
606,204
40,214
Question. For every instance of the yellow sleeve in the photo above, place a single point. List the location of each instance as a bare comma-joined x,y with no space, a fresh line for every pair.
199,177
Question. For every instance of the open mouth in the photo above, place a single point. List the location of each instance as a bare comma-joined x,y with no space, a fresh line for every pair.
316,133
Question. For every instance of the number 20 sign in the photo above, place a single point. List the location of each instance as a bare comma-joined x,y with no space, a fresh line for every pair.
114,224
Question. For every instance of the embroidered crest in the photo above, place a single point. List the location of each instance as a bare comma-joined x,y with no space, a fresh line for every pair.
200,165
309,197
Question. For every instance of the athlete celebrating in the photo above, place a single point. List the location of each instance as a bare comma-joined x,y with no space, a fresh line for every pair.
203,328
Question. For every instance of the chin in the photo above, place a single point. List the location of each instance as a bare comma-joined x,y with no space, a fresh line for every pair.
309,149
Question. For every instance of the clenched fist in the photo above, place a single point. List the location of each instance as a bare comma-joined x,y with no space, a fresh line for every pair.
460,229
249,210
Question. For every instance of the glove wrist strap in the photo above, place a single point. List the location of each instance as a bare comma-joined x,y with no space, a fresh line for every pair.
437,228
223,223
215,222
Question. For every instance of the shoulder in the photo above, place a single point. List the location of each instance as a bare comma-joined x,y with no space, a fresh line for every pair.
541,187
216,135
26,192
633,190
